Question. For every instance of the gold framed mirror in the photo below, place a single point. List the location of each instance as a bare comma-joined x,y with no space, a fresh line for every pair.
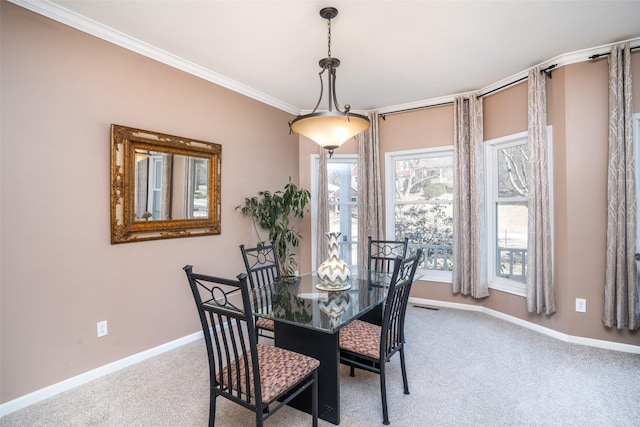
163,186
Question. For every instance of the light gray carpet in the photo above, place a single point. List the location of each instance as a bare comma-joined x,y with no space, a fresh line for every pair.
465,369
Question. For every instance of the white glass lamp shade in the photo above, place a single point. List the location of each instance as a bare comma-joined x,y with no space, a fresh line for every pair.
330,129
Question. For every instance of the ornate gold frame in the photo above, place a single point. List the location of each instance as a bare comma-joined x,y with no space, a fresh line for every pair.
124,143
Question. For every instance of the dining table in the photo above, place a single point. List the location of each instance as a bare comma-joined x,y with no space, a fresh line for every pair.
308,315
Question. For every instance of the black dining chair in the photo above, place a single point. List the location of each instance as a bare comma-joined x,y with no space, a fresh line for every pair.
263,269
382,254
259,377
367,346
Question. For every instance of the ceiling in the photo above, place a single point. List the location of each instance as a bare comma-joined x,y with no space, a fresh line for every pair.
392,53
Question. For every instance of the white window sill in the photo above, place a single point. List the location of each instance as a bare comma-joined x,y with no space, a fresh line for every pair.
498,283
435,276
508,286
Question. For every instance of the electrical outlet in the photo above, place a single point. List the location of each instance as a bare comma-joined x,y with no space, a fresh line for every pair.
581,305
102,328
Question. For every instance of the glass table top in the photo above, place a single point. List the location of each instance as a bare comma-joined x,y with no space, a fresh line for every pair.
297,300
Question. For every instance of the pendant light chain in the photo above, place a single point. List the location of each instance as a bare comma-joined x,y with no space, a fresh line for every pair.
329,38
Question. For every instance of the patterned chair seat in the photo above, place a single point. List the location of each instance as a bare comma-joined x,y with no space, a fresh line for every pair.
265,324
280,369
369,347
362,338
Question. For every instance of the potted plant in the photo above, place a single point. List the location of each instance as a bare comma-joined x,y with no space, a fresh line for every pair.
273,212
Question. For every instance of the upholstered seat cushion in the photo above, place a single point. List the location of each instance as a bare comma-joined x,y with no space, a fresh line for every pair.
280,369
265,323
362,338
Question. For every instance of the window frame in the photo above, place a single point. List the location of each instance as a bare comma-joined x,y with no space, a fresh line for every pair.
315,164
491,148
390,184
154,185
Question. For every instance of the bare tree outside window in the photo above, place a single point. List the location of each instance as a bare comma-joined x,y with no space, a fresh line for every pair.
511,211
423,207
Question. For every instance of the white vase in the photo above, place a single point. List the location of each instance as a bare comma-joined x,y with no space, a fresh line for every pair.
334,272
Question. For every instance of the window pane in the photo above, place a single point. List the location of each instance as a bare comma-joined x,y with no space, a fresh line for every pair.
343,209
201,184
344,219
429,226
343,181
511,241
512,171
424,178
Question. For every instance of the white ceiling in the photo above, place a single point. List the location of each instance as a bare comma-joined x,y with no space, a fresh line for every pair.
392,53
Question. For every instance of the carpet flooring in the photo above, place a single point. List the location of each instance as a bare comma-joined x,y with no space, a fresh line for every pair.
465,369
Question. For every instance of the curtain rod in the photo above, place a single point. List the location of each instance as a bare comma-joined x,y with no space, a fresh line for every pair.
598,55
424,107
547,70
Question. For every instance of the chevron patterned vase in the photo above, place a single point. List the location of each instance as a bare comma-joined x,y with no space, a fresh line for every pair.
334,272
336,304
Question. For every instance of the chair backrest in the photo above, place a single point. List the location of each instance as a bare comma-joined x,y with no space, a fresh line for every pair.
262,264
229,334
382,254
396,304
263,269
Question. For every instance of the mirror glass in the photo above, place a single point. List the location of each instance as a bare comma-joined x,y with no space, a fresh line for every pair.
170,186
162,186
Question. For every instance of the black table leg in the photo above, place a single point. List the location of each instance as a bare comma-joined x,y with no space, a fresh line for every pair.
324,347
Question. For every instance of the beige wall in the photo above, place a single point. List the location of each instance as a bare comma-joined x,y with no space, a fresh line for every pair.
61,90
578,112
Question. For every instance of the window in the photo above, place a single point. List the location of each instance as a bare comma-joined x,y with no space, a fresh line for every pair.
197,184
154,204
419,192
507,212
342,180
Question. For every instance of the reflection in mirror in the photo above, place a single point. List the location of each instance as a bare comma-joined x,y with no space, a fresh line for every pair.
162,186
170,186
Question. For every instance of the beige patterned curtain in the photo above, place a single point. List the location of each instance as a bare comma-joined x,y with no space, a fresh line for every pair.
141,188
167,185
540,287
469,226
621,306
370,209
322,225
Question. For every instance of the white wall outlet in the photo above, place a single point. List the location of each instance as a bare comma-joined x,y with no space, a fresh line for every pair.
581,305
102,328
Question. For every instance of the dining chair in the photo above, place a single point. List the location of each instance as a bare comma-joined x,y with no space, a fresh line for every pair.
259,377
263,269
382,254
367,346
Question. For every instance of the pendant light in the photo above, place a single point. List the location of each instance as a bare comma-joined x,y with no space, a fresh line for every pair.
332,128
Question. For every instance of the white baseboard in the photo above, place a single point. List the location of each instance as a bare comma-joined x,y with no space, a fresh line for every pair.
52,390
609,345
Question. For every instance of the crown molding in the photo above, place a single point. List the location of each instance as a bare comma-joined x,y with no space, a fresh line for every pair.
94,28
559,61
89,26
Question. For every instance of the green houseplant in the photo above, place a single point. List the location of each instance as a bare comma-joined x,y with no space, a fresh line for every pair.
273,212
